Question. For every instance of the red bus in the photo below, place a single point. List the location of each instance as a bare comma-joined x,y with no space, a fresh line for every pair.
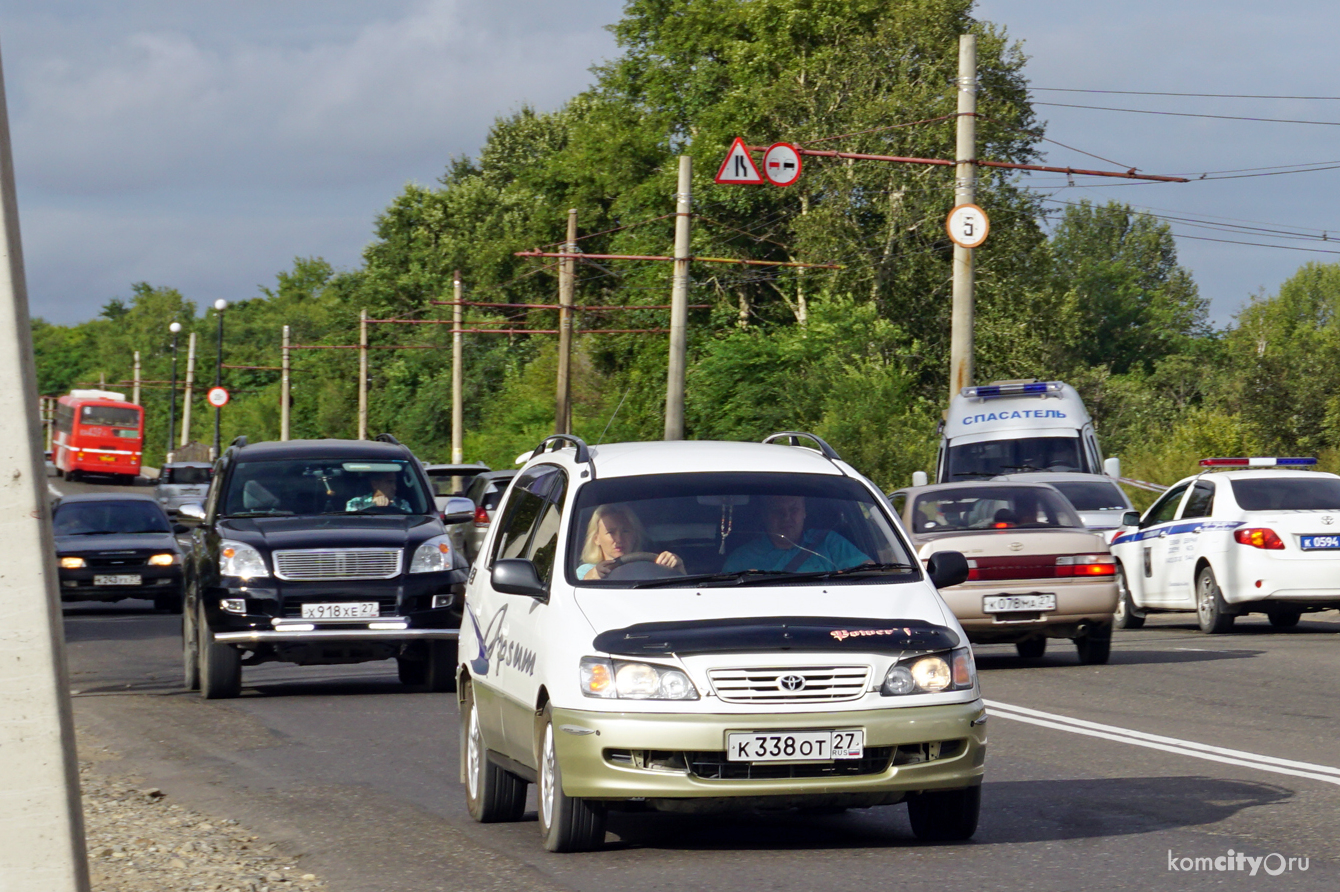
97,432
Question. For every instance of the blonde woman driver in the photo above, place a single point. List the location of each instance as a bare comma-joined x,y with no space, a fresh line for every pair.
613,535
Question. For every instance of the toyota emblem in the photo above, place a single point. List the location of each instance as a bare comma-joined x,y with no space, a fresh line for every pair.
791,683
1016,546
1328,520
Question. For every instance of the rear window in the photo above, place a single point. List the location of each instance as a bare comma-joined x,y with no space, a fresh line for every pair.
991,508
109,416
1288,494
1096,496
185,476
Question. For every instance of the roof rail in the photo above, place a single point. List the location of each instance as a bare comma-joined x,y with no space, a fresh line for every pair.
825,450
238,441
387,438
583,452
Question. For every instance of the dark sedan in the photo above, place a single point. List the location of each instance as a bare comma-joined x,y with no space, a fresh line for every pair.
113,547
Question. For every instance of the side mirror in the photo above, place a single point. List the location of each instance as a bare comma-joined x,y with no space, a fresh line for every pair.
1130,519
1112,466
193,510
947,568
458,509
180,529
517,576
919,478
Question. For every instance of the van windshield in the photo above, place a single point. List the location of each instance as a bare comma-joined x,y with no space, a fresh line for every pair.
992,458
732,529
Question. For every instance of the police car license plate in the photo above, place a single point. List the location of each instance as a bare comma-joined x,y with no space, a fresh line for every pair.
1018,603
120,579
1319,543
794,746
348,610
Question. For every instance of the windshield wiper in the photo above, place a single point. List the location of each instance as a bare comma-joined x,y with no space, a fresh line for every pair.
973,474
267,512
1022,468
763,577
848,573
737,577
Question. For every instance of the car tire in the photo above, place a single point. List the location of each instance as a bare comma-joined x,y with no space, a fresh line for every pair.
190,652
1125,616
1284,619
1095,646
566,824
945,815
1211,610
411,671
1031,648
439,672
220,666
492,794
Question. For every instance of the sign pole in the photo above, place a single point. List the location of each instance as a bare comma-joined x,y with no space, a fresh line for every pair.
362,374
284,386
965,181
679,305
41,818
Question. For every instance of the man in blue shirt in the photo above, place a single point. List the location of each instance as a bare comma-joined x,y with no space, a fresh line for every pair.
383,494
788,546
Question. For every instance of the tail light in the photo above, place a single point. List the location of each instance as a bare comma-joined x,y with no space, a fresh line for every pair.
1259,537
1086,565
481,516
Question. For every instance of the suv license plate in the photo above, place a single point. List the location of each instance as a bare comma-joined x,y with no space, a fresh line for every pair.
794,746
348,610
1018,603
123,579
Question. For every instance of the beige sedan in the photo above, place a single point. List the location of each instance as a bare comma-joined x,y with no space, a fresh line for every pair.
1035,572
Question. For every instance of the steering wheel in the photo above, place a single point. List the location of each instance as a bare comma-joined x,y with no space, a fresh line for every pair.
640,565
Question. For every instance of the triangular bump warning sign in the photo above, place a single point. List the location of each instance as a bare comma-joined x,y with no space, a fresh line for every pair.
738,166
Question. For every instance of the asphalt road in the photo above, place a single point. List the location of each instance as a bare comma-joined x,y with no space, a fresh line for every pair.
1194,745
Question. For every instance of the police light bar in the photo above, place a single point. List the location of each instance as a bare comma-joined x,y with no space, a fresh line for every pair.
1255,462
1024,388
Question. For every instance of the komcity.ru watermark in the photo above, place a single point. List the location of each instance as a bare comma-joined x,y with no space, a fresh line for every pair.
1273,864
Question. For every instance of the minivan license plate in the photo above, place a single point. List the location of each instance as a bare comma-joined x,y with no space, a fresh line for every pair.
1018,603
794,746
349,610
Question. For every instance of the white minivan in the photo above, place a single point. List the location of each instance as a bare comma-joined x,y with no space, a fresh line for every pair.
694,627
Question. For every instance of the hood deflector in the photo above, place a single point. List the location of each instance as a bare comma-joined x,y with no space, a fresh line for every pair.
810,634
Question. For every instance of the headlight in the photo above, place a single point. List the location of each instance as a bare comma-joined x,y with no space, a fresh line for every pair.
618,679
241,560
931,674
72,563
162,560
433,556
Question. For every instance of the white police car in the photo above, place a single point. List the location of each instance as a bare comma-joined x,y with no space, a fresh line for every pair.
693,627
1235,542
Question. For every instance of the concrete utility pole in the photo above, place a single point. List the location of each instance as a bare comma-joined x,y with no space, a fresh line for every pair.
457,373
965,192
41,819
175,328
362,374
135,381
219,306
566,285
679,305
190,383
284,387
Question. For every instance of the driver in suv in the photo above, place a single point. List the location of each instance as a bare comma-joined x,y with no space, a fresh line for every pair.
319,552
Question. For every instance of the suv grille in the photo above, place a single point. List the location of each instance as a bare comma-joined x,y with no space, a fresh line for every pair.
811,684
314,564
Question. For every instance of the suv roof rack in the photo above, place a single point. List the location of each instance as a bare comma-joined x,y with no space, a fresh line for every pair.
824,449
387,438
583,452
238,441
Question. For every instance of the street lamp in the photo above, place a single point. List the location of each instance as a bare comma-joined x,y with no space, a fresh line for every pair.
220,305
175,328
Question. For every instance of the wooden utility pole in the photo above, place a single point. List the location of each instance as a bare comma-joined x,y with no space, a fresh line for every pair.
457,373
679,305
284,387
135,381
566,285
41,820
190,383
965,192
362,374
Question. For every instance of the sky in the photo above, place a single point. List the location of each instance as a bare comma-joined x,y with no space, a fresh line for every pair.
205,145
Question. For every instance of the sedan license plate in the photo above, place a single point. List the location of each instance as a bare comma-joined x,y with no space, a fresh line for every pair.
1319,543
794,746
348,610
122,579
1018,603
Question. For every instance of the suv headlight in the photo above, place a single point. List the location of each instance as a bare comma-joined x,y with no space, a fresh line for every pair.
623,680
433,556
931,674
241,560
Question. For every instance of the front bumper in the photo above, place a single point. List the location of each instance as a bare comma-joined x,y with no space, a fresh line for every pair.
155,582
588,744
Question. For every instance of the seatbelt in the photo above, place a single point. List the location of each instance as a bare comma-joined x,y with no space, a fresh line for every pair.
800,556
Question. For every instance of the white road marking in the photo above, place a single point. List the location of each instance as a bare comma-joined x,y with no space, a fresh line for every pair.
1190,748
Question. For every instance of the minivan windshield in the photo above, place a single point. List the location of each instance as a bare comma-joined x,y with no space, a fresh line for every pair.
731,528
991,458
324,486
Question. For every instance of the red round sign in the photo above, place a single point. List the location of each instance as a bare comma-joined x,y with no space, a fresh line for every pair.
217,397
781,164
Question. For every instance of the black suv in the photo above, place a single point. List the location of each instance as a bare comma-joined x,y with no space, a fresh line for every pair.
319,552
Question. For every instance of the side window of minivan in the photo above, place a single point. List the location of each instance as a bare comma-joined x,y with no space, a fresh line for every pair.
522,512
544,545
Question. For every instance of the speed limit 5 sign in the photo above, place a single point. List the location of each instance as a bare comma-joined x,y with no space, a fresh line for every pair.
967,225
